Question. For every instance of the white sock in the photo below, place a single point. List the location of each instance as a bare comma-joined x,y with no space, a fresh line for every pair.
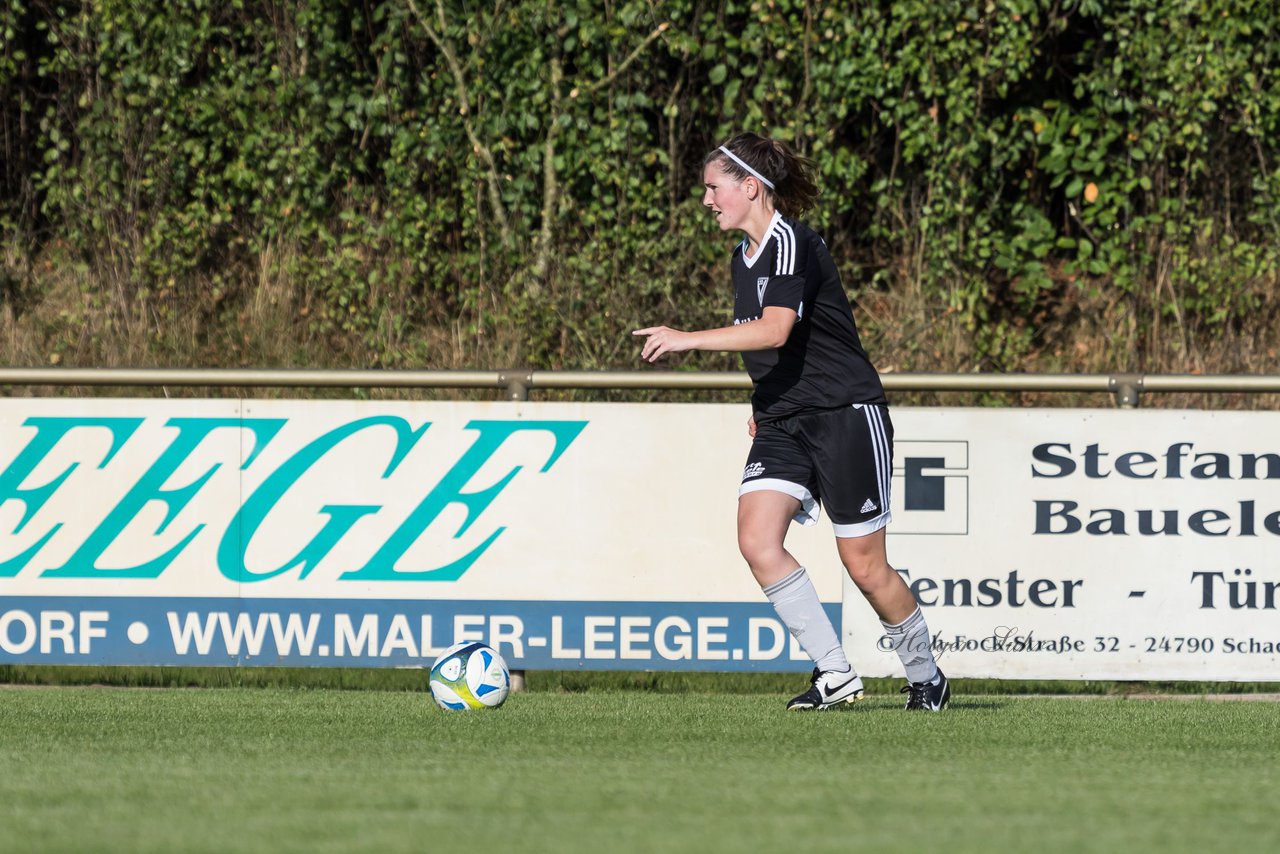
796,602
910,639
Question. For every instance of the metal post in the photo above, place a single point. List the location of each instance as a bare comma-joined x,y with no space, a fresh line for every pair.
1127,389
517,383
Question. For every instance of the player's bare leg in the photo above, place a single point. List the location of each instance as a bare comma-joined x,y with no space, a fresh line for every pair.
867,563
868,566
763,519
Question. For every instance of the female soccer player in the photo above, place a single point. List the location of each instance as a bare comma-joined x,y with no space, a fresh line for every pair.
820,421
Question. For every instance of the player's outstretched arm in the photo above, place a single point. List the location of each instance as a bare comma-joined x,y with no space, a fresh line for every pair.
768,333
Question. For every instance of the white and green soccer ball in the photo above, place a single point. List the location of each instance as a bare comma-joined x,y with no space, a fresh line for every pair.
469,675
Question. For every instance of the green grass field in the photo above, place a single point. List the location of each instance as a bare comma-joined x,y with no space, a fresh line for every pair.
271,769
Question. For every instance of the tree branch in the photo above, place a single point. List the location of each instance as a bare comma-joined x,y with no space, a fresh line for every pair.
464,109
550,184
631,57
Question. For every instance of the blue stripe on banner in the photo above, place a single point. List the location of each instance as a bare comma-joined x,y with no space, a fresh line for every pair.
714,636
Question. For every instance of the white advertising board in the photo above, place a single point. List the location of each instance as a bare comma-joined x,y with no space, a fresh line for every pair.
353,533
1086,544
601,536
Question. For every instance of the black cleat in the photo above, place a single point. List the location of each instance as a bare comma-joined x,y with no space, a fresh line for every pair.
828,688
928,696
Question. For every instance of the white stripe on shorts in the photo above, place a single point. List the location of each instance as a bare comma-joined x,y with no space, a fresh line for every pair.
861,529
809,510
880,445
880,450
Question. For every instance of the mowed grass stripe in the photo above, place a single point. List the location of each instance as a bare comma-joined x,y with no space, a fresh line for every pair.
278,770
674,682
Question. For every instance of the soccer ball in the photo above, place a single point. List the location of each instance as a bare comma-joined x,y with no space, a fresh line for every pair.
469,675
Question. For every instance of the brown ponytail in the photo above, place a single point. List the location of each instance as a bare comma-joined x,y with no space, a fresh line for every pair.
794,190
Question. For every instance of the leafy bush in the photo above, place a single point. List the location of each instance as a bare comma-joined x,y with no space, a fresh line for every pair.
446,184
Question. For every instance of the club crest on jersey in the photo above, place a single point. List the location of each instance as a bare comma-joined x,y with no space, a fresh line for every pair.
760,285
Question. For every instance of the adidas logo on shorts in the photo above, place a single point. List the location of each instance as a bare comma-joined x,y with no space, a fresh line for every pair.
868,506
753,470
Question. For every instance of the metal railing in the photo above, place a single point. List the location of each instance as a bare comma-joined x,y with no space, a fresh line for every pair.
1126,389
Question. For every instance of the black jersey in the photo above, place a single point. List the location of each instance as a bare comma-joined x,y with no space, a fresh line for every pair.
822,365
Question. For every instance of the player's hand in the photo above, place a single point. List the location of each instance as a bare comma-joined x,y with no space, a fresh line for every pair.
751,425
661,340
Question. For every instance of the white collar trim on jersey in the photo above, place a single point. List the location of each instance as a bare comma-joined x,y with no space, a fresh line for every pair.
768,232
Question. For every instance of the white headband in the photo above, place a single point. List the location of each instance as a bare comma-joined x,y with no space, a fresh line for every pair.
736,159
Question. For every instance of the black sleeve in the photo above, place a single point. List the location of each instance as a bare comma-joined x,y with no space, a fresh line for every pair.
784,291
786,286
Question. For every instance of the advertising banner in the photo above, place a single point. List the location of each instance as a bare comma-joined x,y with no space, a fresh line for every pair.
361,534
1044,543
1086,544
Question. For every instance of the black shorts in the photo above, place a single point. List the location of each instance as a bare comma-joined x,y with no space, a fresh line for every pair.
842,458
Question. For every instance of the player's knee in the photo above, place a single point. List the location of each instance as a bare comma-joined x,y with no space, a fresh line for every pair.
758,550
868,572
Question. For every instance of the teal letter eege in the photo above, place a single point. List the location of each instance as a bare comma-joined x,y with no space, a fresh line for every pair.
191,432
235,542
450,490
49,431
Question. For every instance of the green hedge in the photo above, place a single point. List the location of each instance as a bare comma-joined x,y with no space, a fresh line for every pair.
528,173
